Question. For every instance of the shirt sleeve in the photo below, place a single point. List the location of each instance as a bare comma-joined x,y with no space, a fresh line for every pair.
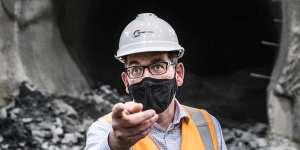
97,136
218,129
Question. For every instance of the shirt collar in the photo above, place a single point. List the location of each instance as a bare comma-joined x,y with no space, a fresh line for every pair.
180,113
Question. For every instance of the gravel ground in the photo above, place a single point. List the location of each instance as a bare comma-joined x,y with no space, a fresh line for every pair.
254,137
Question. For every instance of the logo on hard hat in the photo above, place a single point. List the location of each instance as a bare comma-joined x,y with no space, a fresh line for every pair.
138,33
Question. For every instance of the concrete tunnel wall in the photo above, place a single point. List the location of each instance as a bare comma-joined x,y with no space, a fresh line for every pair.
31,49
223,43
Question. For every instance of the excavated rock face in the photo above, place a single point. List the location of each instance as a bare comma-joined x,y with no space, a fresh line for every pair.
31,49
284,91
11,66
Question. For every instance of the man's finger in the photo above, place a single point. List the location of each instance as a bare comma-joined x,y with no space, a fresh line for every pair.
137,118
117,110
133,107
138,129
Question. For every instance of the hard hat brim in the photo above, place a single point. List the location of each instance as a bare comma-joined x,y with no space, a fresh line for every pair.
158,49
149,47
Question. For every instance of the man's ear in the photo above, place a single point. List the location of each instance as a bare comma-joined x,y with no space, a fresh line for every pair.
125,81
179,74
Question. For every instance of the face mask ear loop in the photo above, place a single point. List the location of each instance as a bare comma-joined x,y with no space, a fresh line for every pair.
175,73
175,81
175,65
174,95
130,92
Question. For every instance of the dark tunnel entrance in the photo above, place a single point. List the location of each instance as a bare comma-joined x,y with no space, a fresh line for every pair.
230,48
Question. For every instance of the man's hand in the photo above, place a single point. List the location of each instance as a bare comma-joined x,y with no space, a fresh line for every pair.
129,124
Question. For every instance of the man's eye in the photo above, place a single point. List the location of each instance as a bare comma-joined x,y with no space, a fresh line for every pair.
157,67
136,70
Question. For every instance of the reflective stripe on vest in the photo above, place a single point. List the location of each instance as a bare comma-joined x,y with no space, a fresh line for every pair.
205,127
204,139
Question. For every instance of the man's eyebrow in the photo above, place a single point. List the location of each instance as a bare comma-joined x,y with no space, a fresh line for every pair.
134,62
156,60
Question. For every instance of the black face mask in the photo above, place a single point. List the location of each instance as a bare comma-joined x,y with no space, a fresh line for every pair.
153,93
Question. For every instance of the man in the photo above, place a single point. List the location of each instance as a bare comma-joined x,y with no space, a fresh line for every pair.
155,119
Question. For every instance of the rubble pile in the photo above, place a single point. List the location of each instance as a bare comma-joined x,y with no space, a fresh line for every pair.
255,137
38,120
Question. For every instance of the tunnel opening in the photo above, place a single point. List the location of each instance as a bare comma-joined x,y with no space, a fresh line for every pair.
230,48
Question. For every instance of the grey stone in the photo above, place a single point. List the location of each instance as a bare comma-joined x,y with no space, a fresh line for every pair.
3,113
70,138
22,144
45,145
27,120
1,138
57,131
261,142
41,133
259,128
60,106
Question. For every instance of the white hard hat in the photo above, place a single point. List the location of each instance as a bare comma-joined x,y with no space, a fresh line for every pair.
148,33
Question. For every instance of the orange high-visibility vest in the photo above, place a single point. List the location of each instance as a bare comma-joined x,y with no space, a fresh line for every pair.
197,132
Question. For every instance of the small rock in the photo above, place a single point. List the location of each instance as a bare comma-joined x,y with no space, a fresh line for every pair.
76,148
52,147
39,139
64,147
3,114
45,125
16,110
261,142
246,136
57,131
98,99
5,146
41,133
253,144
238,133
228,135
60,107
12,115
1,139
70,138
27,120
22,144
26,88
55,139
259,128
58,122
45,145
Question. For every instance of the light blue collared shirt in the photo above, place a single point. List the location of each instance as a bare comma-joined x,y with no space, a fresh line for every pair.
165,139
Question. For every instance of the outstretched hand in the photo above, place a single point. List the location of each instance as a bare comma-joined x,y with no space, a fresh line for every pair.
129,124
